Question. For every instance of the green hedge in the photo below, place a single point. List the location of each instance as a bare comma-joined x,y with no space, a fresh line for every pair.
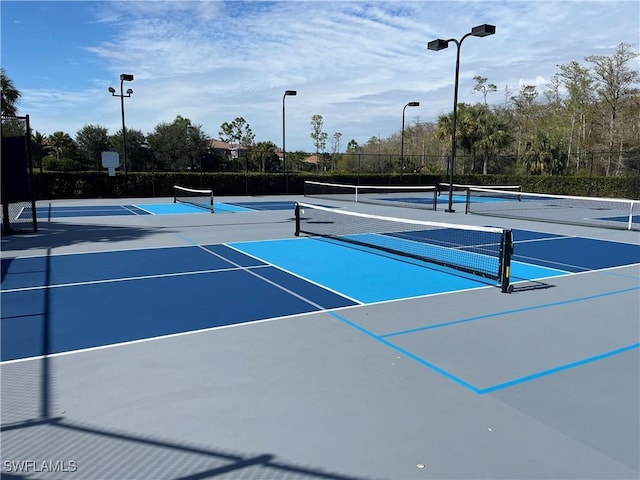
57,185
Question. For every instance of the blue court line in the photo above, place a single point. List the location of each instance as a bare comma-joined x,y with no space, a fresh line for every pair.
508,312
561,368
469,386
407,353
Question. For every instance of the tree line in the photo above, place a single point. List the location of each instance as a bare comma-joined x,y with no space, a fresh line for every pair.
586,119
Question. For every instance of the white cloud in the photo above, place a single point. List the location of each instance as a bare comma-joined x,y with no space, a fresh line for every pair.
355,63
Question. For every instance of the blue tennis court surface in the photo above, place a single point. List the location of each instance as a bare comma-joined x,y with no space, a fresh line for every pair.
216,285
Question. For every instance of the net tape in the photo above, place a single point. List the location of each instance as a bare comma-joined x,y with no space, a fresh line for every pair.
413,196
587,211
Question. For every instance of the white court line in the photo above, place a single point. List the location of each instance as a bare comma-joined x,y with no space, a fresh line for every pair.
115,250
138,207
127,279
161,337
534,240
144,210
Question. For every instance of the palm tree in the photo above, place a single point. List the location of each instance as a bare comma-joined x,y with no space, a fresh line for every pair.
467,129
61,143
494,136
39,147
10,95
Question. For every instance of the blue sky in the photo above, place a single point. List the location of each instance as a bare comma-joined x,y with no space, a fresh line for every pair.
355,63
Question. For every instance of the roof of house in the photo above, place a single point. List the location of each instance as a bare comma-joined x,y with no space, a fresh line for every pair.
220,145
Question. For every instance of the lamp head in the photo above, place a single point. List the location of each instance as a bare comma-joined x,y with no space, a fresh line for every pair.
291,92
112,90
129,91
414,104
126,77
483,30
438,44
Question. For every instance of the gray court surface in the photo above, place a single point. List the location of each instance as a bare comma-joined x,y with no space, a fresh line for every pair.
314,397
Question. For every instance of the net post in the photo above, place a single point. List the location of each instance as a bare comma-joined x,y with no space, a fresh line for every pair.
506,251
297,212
435,198
630,223
212,203
468,202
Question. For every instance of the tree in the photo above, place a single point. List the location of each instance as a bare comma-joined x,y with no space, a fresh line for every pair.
168,141
335,143
92,140
578,82
264,155
177,146
66,153
237,132
10,95
137,152
62,144
39,148
494,135
482,86
614,80
524,116
319,137
197,146
335,147
352,146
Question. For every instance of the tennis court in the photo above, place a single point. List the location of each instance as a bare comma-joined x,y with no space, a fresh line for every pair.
225,346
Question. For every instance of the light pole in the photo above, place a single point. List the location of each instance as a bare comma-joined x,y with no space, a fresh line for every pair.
440,44
125,77
410,104
287,93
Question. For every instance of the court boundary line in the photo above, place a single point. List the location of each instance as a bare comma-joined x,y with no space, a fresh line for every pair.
558,369
405,352
167,336
60,254
510,312
469,386
515,257
532,240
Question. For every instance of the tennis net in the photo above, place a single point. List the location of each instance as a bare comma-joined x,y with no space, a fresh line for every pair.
420,196
480,251
460,187
574,210
202,198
